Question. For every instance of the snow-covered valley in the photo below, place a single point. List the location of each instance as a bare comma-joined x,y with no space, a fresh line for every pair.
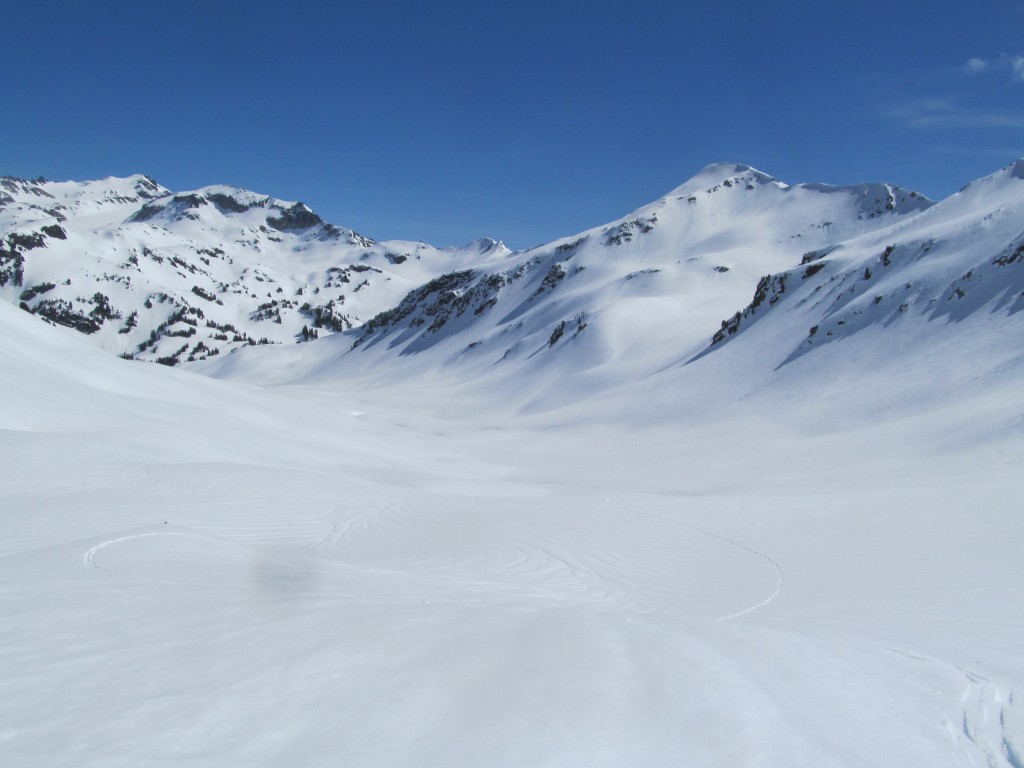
480,545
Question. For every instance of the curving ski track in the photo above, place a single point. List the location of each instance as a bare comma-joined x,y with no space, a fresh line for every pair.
780,576
89,558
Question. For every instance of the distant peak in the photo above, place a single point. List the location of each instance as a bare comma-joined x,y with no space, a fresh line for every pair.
997,180
487,245
724,169
717,174
298,216
147,187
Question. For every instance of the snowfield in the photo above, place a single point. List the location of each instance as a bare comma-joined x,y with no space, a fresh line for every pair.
727,554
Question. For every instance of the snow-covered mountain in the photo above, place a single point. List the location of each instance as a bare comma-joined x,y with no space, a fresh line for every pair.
174,277
650,279
185,277
962,256
611,305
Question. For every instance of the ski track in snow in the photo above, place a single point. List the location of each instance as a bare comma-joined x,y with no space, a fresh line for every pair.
544,561
985,709
89,558
780,576
984,722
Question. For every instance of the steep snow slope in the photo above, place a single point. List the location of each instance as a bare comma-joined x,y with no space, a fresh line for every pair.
172,277
963,256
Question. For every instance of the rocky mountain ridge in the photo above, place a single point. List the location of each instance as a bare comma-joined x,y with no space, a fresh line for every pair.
676,262
154,275
962,256
183,277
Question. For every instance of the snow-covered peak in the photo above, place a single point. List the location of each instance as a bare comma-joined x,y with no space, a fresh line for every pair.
224,205
487,246
30,204
12,189
1013,171
247,266
730,208
661,272
724,174
112,190
146,187
231,197
996,183
176,276
740,181
216,200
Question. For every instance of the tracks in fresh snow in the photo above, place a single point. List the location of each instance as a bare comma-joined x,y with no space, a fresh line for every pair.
780,577
987,709
492,554
89,558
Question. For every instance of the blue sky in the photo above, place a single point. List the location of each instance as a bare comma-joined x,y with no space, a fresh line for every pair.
525,121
